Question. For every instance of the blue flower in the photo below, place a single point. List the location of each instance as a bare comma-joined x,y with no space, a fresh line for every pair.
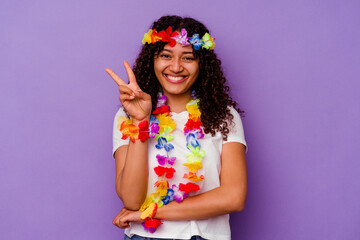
192,141
162,143
169,197
196,41
153,119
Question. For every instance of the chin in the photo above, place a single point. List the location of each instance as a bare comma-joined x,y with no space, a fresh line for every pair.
176,91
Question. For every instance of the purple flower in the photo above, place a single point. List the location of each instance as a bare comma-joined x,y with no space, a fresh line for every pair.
171,160
178,195
198,132
161,100
161,159
182,38
153,130
151,230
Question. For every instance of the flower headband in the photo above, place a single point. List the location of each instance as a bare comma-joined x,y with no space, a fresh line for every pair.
152,36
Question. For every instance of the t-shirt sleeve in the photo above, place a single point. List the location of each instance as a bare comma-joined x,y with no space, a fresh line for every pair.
117,141
236,133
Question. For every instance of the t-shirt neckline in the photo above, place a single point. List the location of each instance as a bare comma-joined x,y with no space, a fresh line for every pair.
179,114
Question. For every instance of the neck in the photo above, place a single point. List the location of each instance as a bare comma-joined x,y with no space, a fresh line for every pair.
177,103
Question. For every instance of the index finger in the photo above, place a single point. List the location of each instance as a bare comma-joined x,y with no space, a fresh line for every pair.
115,77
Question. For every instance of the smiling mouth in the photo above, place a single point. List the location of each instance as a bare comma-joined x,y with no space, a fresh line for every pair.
175,79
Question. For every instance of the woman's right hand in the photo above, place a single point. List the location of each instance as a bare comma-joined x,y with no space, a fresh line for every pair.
136,102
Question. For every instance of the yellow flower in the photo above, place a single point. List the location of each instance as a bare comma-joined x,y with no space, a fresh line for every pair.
194,112
165,121
152,36
194,166
193,109
162,192
147,37
146,203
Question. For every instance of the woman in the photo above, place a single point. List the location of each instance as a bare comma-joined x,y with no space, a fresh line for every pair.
183,181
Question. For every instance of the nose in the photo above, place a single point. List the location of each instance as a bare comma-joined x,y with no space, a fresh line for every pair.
176,65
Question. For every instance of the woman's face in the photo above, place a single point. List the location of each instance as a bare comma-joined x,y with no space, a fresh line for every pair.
176,69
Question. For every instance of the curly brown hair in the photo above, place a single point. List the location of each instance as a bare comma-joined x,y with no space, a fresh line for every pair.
210,86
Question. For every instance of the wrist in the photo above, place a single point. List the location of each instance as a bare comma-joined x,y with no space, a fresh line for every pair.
150,223
137,121
135,129
149,212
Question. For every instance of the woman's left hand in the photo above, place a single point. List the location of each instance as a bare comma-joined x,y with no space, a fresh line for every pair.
124,217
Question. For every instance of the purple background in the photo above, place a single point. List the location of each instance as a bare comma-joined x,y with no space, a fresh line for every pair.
292,65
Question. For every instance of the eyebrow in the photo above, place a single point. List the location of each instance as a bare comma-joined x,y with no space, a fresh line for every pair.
182,52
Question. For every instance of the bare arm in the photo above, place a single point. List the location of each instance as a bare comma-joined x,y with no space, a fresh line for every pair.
229,197
132,174
132,160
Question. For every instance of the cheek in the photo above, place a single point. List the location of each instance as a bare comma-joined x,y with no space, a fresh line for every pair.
195,68
195,71
159,67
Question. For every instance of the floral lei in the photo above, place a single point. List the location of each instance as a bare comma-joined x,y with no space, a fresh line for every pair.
161,128
152,36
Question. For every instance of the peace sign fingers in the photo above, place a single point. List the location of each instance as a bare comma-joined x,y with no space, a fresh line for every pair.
132,79
136,102
115,77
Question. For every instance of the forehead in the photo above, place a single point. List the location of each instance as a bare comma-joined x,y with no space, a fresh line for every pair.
178,48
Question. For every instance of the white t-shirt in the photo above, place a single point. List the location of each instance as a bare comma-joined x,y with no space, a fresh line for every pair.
212,228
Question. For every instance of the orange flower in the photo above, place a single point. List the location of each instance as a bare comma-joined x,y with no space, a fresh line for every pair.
152,36
162,186
128,129
193,177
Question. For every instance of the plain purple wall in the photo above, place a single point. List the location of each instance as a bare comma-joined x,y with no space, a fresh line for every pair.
293,66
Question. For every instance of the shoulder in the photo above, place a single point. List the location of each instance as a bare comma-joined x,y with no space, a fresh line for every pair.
236,129
236,120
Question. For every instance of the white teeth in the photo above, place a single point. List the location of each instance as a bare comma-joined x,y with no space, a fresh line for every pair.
174,78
